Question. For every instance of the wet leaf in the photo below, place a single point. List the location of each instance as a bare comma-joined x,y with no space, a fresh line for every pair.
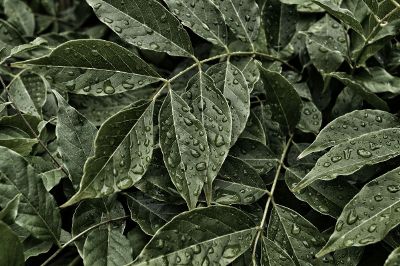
369,216
158,31
184,145
12,253
351,155
122,151
94,67
218,234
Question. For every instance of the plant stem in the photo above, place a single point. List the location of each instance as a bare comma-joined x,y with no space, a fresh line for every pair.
80,235
30,127
270,198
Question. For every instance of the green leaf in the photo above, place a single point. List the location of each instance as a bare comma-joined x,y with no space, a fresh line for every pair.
254,129
232,83
238,183
16,140
347,101
351,155
343,14
20,49
158,30
138,240
184,145
369,216
52,178
242,19
280,23
394,258
273,255
28,93
326,44
284,101
21,15
12,252
249,67
106,247
94,67
156,181
203,17
37,210
325,197
368,96
311,118
351,125
75,137
217,234
91,213
210,107
9,38
148,213
295,235
255,154
122,151
10,210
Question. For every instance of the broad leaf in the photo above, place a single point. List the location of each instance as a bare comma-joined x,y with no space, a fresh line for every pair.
210,107
274,255
16,140
37,210
349,126
184,145
94,67
232,83
393,258
93,212
158,30
21,15
342,14
12,252
28,93
351,155
242,19
369,216
254,129
75,137
106,247
122,151
326,44
238,183
148,213
311,118
201,236
10,210
282,97
295,235
325,197
203,17
9,38
52,178
280,23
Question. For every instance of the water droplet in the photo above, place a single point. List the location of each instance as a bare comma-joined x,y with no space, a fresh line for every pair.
393,188
372,228
219,140
231,251
125,183
352,217
339,225
109,90
138,169
201,166
364,153
295,229
336,159
195,153
378,197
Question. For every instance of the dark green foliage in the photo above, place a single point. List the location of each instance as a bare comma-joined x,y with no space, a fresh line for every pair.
200,132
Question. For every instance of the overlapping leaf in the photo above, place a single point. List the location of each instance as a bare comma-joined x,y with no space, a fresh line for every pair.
218,234
94,67
37,210
183,142
232,83
122,151
158,30
351,155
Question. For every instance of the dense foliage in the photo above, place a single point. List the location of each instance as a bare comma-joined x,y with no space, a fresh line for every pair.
199,132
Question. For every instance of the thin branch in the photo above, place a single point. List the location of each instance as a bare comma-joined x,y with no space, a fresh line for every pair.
270,198
30,128
80,235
